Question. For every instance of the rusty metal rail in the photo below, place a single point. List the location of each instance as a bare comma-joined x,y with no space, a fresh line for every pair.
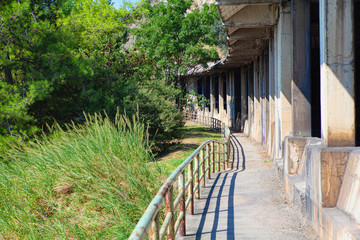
180,189
210,122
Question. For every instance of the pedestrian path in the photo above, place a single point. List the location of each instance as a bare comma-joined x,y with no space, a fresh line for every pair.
246,202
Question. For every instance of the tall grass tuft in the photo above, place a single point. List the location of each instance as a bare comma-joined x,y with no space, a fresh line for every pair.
87,181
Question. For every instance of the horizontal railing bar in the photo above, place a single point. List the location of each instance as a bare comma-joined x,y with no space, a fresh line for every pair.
144,223
201,176
219,161
165,225
188,200
196,170
178,198
219,152
151,212
195,187
178,220
187,184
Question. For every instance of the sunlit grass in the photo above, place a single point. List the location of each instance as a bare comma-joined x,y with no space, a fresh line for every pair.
193,135
92,181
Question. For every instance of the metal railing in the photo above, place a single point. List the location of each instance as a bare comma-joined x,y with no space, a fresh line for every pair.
210,122
180,189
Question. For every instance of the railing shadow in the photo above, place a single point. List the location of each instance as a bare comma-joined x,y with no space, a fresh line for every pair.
238,165
238,154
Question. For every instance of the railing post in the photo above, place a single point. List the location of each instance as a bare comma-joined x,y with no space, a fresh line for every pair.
202,167
213,156
224,158
197,192
191,187
169,208
154,229
228,148
208,160
182,227
218,156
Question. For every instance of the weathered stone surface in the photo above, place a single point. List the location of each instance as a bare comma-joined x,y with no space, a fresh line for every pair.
295,148
310,144
313,175
333,164
338,226
251,16
337,72
349,198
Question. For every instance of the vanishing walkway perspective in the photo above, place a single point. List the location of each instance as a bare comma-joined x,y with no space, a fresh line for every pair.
246,202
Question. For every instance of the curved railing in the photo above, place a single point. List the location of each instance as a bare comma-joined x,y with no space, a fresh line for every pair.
210,122
179,190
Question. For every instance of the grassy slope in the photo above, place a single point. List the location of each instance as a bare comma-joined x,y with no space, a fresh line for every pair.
91,182
88,183
193,135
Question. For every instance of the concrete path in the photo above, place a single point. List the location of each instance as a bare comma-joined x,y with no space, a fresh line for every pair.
246,202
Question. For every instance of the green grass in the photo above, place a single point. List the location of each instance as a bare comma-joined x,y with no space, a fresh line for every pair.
193,135
91,181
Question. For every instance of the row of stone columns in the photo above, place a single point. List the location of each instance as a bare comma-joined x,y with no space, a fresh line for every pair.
225,95
276,87
289,77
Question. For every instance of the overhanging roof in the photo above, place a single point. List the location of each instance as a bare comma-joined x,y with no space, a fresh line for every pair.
249,25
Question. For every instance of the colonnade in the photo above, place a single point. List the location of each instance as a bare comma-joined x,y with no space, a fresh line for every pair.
280,81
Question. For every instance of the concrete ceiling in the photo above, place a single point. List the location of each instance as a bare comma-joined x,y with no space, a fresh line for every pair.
249,25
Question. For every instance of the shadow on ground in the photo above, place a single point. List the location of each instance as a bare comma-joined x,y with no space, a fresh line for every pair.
238,165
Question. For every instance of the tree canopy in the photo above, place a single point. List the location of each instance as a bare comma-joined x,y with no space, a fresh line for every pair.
62,58
178,37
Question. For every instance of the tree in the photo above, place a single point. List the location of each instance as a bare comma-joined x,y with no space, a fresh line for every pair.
177,38
42,67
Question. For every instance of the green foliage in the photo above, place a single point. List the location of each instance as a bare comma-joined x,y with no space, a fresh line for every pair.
221,36
35,61
177,38
62,58
93,20
65,57
192,99
88,182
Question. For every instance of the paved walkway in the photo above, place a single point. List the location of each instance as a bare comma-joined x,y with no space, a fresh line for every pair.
246,202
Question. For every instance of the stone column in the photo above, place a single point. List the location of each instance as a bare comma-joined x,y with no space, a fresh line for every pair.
271,129
261,96
250,84
283,81
243,98
337,72
257,109
212,97
230,98
221,98
300,68
203,85
266,97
